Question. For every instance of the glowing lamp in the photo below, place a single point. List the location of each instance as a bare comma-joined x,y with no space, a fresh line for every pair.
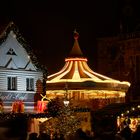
66,102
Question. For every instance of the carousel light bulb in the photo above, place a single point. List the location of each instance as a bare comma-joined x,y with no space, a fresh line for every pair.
133,108
127,111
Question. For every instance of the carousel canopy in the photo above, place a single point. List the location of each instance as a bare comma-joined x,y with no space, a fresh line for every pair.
78,75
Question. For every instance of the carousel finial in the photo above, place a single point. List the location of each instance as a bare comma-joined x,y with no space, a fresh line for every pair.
76,35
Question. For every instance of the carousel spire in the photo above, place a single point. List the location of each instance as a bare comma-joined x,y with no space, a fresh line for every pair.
76,35
76,51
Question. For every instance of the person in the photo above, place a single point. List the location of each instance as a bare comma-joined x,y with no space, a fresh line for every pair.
33,136
126,133
80,135
136,135
44,136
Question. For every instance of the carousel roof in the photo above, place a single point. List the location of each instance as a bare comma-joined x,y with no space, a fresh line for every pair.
77,74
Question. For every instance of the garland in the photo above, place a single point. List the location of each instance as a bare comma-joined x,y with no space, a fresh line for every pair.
12,27
10,116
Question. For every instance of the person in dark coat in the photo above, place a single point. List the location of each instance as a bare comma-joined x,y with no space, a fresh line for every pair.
126,133
33,136
136,135
13,128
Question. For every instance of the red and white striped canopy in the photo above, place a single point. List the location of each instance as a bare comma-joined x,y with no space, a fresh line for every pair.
77,74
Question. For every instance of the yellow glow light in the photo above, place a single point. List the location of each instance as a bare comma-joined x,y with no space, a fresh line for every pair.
61,71
43,119
133,108
127,111
75,59
122,114
77,67
88,94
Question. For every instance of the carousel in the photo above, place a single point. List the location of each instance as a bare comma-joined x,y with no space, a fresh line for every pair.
82,83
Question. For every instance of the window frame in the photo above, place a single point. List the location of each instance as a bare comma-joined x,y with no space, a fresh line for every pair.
11,82
30,84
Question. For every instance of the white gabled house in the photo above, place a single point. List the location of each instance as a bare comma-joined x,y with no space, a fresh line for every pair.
19,75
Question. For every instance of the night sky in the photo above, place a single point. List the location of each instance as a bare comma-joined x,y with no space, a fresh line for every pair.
48,26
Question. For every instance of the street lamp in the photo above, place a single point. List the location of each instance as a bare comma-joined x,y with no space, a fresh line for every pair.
66,101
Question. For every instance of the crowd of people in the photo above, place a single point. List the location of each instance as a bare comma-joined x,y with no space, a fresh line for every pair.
17,130
125,134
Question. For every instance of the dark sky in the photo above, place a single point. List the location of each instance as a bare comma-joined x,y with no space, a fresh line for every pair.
48,25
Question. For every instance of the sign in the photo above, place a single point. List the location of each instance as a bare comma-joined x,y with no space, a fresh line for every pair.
12,96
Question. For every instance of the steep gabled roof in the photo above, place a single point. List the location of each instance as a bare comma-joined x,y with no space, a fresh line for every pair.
11,64
30,66
5,31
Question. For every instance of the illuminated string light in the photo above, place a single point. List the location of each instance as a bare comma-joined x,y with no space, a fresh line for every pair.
66,123
6,116
122,114
133,108
127,111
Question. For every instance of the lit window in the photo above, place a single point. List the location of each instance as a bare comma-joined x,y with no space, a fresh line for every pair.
29,84
12,83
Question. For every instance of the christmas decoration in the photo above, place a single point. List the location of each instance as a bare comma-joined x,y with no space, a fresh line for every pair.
65,120
11,115
54,107
18,107
68,122
41,106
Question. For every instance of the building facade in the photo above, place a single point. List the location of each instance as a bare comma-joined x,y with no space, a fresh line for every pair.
119,57
20,78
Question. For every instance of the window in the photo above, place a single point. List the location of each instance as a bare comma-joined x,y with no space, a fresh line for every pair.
29,84
12,83
11,52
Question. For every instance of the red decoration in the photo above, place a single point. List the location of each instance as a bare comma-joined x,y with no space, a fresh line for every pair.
18,107
41,106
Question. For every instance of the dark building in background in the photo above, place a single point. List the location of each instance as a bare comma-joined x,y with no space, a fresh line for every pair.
119,55
119,58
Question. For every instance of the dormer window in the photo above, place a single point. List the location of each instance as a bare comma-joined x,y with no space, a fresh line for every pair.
11,52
